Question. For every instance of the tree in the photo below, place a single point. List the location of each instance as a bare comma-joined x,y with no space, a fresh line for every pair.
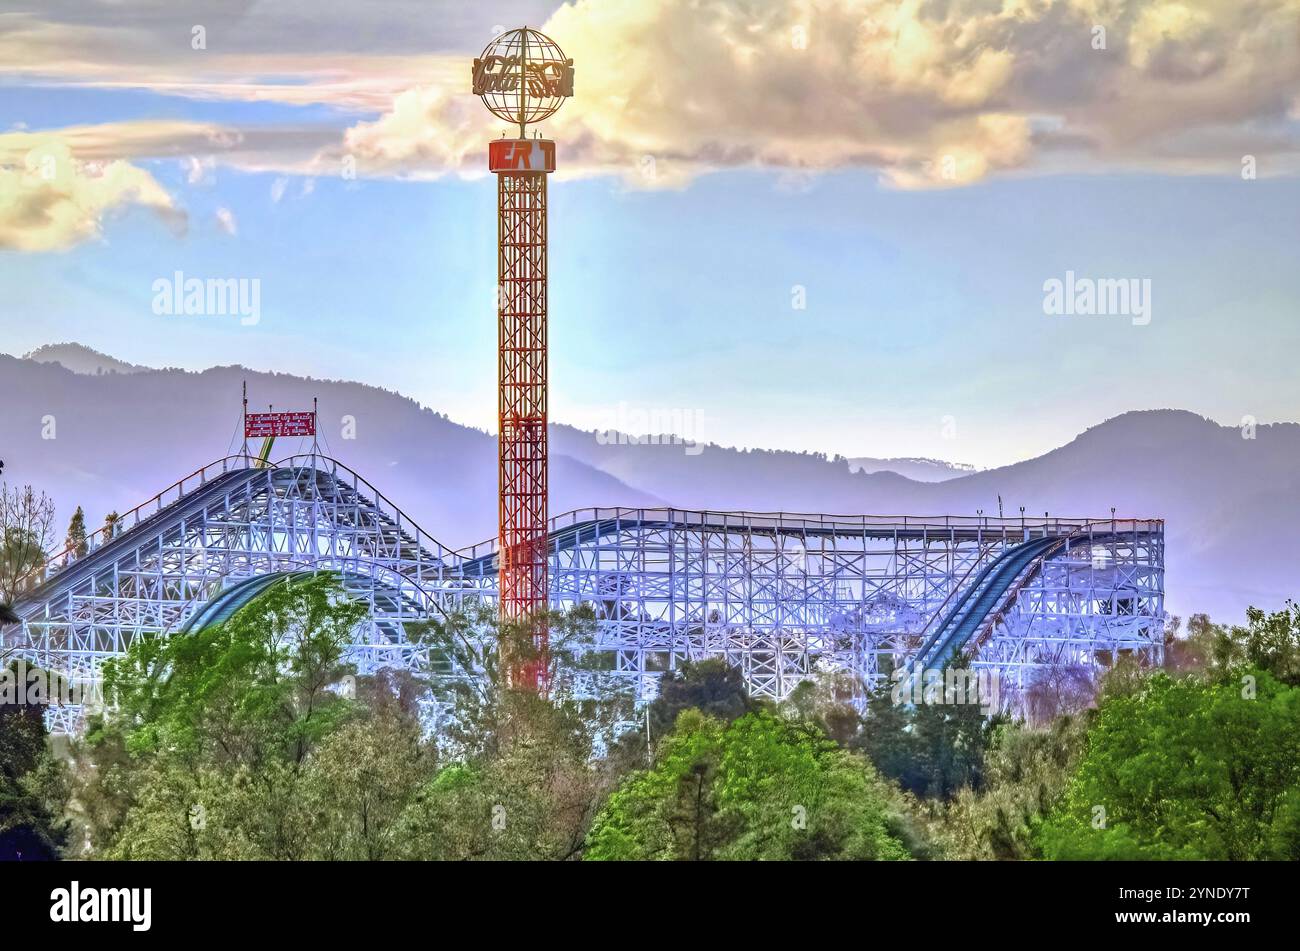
1059,689
222,720
1193,651
253,688
75,542
1126,678
26,533
1186,769
341,803
711,686
524,773
1268,642
825,700
1026,772
760,787
1284,838
467,648
532,798
359,783
33,784
247,741
931,749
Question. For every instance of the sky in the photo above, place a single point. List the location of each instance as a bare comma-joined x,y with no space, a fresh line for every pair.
825,226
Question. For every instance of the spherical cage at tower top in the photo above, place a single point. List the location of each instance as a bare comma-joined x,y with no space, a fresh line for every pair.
523,76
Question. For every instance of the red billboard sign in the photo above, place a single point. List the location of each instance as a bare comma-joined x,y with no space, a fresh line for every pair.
263,425
521,155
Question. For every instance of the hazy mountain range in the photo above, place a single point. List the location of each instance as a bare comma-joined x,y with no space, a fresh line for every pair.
81,359
918,470
95,431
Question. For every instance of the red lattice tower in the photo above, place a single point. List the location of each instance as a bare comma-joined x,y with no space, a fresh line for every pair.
522,77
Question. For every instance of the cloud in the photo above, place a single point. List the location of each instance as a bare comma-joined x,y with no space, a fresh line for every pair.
280,187
346,55
226,221
52,201
197,146
429,129
930,92
56,186
198,171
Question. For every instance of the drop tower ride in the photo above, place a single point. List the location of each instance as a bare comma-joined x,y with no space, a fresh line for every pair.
522,77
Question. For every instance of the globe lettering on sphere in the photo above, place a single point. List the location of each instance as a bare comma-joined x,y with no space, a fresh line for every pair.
523,76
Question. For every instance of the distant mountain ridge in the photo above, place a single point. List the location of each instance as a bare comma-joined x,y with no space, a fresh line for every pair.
80,359
107,441
916,469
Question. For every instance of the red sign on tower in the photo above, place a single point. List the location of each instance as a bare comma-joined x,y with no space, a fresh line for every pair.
264,425
521,155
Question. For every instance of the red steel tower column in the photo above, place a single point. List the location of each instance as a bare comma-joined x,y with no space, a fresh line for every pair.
521,167
522,77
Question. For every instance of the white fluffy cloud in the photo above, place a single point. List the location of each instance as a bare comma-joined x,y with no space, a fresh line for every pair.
51,201
226,221
931,92
57,186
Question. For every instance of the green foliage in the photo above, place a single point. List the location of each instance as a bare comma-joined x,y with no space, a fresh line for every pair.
533,798
342,803
760,787
234,743
1026,772
1269,642
251,690
1125,679
245,741
359,782
930,749
1185,769
33,784
712,686
237,741
21,556
526,772
475,652
825,700
1284,835
76,537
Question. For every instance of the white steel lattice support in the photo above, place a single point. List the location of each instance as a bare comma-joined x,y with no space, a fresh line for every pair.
779,596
